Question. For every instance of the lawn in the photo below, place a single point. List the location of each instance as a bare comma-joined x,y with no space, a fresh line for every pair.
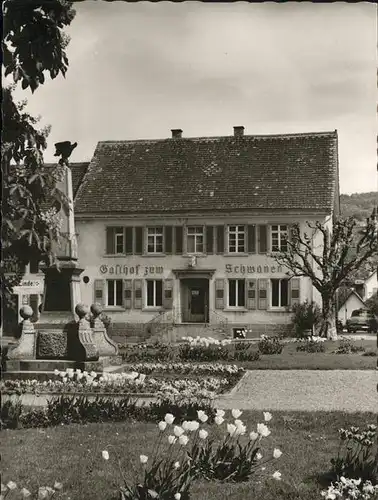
72,455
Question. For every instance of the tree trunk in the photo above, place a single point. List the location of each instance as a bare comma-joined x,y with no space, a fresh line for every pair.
328,323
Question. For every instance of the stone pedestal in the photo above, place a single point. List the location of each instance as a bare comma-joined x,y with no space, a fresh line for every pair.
26,347
104,344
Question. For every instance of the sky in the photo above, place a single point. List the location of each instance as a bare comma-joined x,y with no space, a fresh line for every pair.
138,70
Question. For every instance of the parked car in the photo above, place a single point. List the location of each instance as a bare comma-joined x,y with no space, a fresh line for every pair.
362,319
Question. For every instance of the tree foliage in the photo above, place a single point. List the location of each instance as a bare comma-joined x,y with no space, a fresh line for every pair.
33,45
332,260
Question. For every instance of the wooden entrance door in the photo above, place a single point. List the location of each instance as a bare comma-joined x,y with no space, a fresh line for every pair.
196,310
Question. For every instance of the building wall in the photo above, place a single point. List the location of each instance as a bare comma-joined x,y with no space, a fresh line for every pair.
371,286
350,305
98,266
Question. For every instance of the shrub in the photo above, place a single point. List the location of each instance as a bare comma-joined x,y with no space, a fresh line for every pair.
270,345
312,344
244,352
305,316
347,346
357,454
149,352
369,353
182,408
10,414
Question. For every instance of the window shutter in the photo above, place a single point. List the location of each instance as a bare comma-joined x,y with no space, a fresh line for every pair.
129,240
179,239
168,294
209,239
128,294
168,239
251,293
263,293
219,293
99,286
251,239
294,291
263,239
110,243
139,240
220,239
138,298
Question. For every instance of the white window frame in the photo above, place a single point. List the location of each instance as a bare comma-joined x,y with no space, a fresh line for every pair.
239,229
197,236
237,306
280,233
154,306
280,306
122,237
115,305
153,232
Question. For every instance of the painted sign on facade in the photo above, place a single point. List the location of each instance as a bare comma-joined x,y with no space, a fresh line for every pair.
241,269
137,270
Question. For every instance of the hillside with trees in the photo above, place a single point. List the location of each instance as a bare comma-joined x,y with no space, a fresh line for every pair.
358,205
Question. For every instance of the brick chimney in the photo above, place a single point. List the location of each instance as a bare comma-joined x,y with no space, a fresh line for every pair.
238,131
176,133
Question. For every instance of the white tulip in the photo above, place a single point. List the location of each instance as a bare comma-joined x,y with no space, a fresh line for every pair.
183,440
143,459
258,456
253,436
176,465
105,455
277,453
236,413
203,434
267,416
11,485
220,413
231,429
169,418
202,416
162,425
177,496
178,431
277,475
219,420
25,493
171,439
263,430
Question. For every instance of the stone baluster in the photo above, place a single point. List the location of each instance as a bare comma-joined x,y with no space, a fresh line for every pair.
104,344
26,347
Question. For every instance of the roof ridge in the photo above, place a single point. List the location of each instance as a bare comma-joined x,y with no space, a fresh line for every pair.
217,137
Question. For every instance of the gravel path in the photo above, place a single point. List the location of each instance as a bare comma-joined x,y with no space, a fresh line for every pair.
304,390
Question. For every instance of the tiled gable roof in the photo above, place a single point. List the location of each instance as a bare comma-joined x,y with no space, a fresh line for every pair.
78,171
295,171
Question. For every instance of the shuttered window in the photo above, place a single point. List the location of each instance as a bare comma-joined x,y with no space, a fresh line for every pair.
279,293
114,295
236,293
128,293
178,239
115,240
139,240
251,239
168,294
209,239
220,239
99,286
251,293
154,290
129,240
262,293
168,239
219,294
294,291
263,238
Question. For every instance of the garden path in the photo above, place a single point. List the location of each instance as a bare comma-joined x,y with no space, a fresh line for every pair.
304,390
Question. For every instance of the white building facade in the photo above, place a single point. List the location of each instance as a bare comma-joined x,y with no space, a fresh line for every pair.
182,232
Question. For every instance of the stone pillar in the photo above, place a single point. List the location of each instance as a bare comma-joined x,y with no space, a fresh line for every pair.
104,344
26,347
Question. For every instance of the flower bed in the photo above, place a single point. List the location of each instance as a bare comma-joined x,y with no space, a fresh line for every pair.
78,382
